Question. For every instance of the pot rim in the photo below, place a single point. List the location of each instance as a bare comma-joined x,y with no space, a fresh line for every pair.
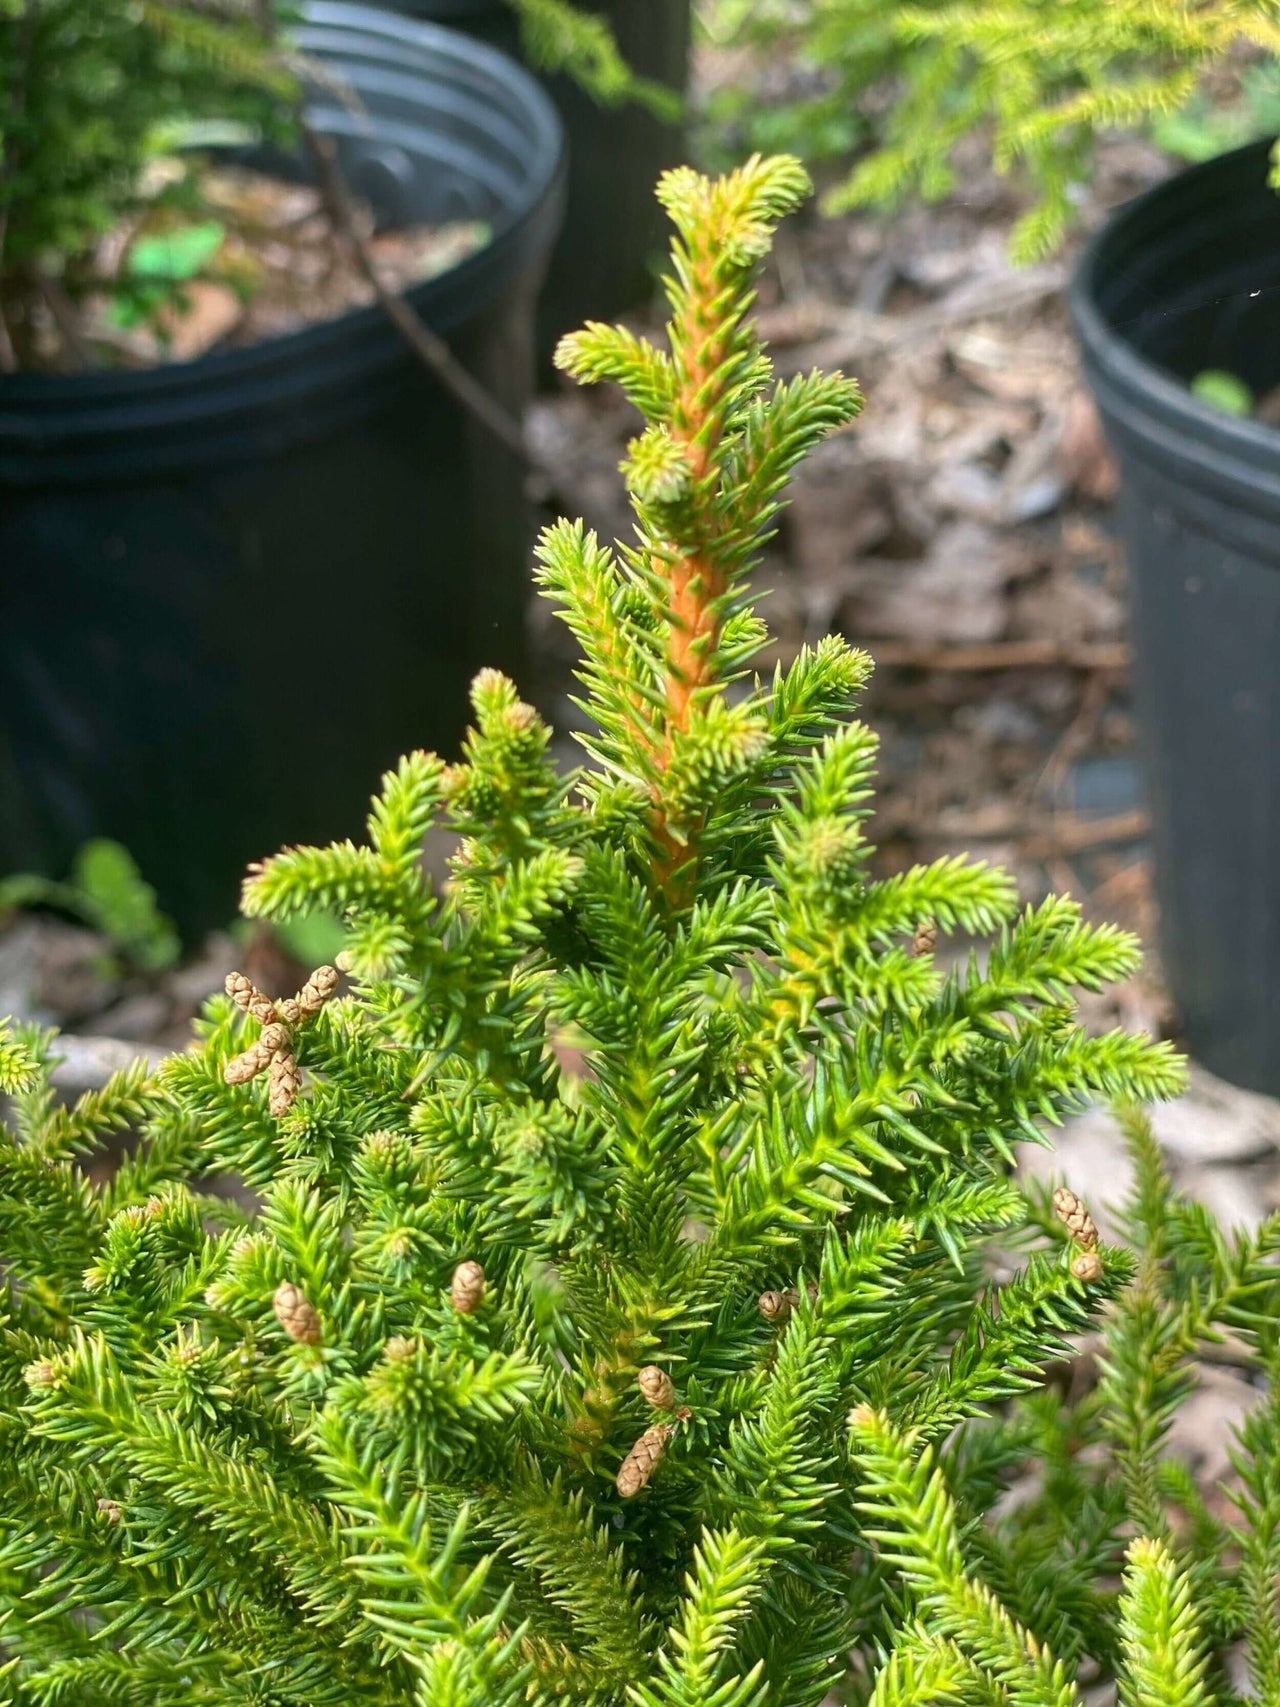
1140,382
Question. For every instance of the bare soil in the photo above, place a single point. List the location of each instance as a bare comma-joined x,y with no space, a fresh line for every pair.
278,267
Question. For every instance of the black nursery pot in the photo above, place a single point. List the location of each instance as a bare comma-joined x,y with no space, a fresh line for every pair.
614,231
233,591
1185,278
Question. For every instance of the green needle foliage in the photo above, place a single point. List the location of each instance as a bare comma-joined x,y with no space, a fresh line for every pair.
1111,1563
623,1171
1036,79
561,36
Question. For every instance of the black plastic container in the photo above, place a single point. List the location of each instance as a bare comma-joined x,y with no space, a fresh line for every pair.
615,234
1185,278
233,591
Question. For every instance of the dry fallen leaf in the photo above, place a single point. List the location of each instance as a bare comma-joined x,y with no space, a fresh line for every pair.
1086,464
211,313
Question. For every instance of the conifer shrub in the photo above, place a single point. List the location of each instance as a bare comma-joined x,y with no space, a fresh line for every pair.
626,1296
1036,79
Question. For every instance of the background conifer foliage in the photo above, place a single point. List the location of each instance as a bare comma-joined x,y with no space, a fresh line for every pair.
621,1287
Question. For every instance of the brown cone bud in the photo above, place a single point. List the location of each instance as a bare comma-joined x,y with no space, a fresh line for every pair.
284,1084
657,1387
643,1459
467,1287
289,1010
773,1306
926,937
110,1509
1075,1217
1087,1267
296,1314
399,1348
275,1037
317,989
249,998
241,1068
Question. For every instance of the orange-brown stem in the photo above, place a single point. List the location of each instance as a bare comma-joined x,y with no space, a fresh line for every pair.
696,584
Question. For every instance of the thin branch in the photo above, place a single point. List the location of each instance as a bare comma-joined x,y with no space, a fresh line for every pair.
65,318
1037,834
427,345
8,355
1004,655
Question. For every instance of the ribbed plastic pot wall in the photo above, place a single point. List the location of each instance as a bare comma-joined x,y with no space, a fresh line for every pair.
1186,278
233,591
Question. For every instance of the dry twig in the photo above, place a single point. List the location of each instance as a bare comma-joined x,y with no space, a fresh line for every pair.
427,345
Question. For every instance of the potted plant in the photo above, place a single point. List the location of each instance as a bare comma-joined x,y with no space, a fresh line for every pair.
618,1321
617,71
1175,303
209,562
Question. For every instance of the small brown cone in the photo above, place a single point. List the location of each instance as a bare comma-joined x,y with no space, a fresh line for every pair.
1071,1211
285,1082
773,1306
466,1289
1087,1267
249,998
643,1459
926,937
296,1314
317,989
241,1068
110,1509
657,1387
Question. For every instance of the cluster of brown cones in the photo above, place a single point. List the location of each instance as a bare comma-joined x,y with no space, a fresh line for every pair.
638,1466
275,1051
1086,1265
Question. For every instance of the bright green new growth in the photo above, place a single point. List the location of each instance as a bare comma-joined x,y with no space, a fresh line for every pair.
627,1167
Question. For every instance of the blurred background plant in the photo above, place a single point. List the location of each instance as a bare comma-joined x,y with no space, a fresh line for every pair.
559,36
100,99
901,85
107,892
108,109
